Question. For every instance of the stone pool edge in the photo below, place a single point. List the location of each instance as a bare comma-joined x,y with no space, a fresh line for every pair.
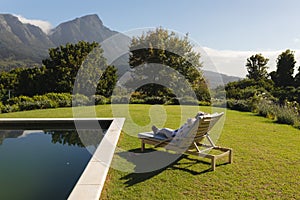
91,181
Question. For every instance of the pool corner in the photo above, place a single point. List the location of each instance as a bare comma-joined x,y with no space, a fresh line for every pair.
91,182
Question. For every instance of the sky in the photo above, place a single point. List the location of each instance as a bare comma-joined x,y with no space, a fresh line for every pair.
228,31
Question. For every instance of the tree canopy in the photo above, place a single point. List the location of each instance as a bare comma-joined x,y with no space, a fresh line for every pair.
59,72
283,76
167,49
257,67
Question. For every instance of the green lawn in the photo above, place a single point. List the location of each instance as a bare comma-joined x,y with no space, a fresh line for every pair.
266,160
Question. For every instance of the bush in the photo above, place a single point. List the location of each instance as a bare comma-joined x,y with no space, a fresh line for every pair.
1,106
136,101
43,102
267,109
98,99
286,115
62,99
172,101
80,100
188,101
137,98
222,103
18,100
119,100
204,103
282,114
155,100
10,108
240,105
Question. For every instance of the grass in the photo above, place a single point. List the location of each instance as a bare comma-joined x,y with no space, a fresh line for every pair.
266,159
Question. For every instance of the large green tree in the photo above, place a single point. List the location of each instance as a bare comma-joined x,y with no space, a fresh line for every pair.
257,67
30,81
63,64
167,49
283,76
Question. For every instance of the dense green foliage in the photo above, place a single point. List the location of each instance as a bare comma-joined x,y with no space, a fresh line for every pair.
283,76
63,64
167,49
256,67
277,98
59,72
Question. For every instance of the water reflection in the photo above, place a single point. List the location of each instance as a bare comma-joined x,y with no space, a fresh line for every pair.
9,134
90,138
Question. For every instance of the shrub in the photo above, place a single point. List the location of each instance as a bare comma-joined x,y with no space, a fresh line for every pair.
62,99
27,105
1,107
42,102
98,99
155,100
10,108
119,100
18,100
136,101
267,109
240,105
219,103
80,100
204,103
172,101
286,115
188,101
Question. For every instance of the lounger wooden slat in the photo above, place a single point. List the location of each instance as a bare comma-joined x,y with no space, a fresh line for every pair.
192,142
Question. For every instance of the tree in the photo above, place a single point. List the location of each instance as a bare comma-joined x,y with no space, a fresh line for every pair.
297,79
30,81
164,48
285,68
107,82
257,67
64,63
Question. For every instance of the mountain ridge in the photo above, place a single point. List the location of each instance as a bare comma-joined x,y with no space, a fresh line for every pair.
28,44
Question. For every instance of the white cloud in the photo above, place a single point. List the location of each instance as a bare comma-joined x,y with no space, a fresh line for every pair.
296,40
233,62
44,25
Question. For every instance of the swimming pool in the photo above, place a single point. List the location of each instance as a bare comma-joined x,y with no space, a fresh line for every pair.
40,165
47,164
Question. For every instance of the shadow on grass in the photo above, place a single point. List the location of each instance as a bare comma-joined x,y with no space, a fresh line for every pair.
146,165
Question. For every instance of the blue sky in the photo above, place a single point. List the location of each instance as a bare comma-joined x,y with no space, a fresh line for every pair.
231,26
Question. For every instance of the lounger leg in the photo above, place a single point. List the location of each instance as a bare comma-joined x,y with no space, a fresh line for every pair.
213,163
143,146
230,156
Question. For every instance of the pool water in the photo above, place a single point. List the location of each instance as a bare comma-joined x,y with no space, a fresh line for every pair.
41,164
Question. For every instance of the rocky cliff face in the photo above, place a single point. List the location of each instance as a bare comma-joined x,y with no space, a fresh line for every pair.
88,28
29,44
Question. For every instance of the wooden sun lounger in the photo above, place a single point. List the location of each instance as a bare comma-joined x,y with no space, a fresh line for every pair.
192,141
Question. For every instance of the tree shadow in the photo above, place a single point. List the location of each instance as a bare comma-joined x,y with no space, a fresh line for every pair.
151,163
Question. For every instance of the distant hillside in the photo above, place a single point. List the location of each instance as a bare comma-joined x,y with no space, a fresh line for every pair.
215,79
27,44
21,42
88,28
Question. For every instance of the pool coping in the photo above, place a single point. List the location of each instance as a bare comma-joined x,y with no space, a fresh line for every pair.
91,182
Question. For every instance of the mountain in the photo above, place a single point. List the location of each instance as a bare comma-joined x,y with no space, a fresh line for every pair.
215,79
20,41
27,44
88,28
